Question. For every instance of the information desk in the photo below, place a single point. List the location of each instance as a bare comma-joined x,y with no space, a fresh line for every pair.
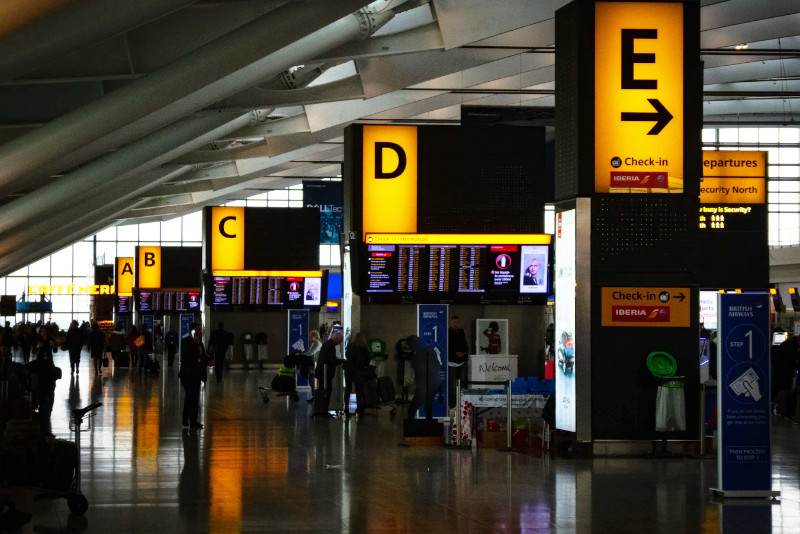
482,403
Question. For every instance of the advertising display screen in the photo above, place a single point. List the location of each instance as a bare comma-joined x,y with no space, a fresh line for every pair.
564,282
708,309
480,272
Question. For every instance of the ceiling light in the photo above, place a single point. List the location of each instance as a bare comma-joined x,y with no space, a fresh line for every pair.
743,46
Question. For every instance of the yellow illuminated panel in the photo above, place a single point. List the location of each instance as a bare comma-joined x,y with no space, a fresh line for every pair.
792,291
646,306
148,272
638,125
741,164
123,277
227,237
733,191
458,239
390,179
288,274
773,291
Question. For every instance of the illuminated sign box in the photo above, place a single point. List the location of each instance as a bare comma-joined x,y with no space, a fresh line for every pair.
646,306
737,164
124,277
639,78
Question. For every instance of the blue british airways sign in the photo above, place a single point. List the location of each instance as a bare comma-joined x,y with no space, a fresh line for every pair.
743,395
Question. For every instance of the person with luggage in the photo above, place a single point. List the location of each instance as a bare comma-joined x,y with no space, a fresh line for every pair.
97,347
194,362
314,345
457,349
74,345
43,375
356,372
426,377
326,368
218,344
171,344
134,350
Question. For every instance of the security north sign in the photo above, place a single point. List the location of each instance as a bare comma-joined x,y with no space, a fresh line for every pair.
646,306
639,97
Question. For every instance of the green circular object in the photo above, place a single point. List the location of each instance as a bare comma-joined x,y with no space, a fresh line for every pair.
661,363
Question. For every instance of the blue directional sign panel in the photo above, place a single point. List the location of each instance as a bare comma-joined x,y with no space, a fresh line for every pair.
743,393
186,320
432,327
298,338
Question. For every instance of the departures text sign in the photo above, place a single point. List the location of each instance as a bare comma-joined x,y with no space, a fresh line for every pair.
646,306
639,79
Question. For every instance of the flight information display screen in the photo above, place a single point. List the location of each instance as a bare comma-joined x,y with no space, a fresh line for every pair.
167,301
479,273
265,292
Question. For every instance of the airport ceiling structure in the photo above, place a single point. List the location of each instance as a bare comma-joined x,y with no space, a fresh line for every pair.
118,112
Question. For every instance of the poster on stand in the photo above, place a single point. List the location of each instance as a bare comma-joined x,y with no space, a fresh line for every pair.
432,325
297,338
743,395
491,336
565,278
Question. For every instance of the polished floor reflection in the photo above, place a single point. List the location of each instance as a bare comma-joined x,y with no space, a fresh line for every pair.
259,467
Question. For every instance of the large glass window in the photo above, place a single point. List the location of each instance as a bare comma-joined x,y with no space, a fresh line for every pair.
783,156
73,265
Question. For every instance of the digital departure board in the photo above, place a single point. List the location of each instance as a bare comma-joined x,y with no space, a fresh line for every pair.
123,305
479,273
167,301
265,292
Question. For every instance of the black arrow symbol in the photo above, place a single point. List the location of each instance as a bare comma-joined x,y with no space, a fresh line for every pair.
661,116
680,297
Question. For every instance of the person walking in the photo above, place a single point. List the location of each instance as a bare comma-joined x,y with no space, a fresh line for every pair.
74,345
171,344
314,346
457,349
326,368
356,372
97,346
134,333
194,362
43,379
426,377
218,344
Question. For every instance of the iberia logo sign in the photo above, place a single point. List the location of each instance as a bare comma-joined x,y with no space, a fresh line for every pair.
647,180
640,314
646,306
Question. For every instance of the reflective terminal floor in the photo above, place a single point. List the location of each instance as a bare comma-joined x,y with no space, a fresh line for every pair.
259,467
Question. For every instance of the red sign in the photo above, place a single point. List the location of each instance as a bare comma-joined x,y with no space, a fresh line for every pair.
639,179
558,226
504,248
640,314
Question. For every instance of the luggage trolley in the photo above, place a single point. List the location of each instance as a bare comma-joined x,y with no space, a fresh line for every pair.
284,383
76,500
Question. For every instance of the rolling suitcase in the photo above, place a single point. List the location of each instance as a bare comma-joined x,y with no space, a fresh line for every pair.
153,366
386,389
123,360
371,394
320,408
